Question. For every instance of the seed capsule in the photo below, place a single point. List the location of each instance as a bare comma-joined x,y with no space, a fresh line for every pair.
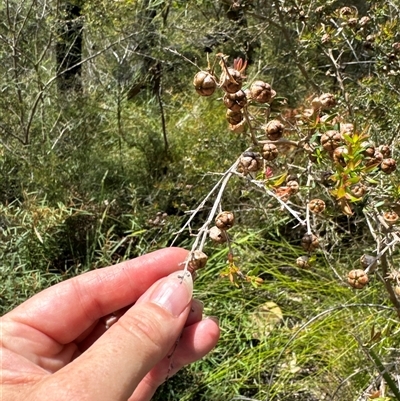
357,278
217,235
309,242
390,217
293,186
327,101
331,140
262,92
368,261
235,101
274,130
225,220
204,83
234,117
231,80
303,262
250,162
197,260
316,206
388,165
269,151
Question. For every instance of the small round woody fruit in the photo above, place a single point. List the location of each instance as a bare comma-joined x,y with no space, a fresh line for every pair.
331,140
388,165
357,278
375,160
293,186
358,190
197,260
368,262
327,101
309,242
234,117
235,101
261,92
274,130
204,83
316,206
231,80
217,235
390,217
385,150
369,149
238,128
303,262
269,151
225,220
346,128
250,162
339,155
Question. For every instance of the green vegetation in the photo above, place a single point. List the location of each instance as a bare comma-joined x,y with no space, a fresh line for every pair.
102,132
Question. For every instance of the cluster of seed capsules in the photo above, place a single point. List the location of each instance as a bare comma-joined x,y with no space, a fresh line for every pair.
332,144
218,234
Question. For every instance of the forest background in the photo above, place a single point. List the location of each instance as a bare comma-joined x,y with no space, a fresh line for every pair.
105,148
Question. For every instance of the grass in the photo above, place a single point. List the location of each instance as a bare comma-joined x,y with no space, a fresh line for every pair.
312,353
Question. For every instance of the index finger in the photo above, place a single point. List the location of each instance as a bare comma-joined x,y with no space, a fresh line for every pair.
67,309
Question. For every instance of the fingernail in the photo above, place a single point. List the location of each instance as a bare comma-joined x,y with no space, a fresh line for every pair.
174,293
214,319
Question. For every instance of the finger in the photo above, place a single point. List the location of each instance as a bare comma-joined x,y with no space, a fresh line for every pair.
195,315
66,310
196,341
139,340
196,312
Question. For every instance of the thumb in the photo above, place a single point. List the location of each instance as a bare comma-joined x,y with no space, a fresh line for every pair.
117,362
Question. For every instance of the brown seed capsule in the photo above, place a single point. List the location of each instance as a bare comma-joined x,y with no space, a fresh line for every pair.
231,80
274,130
339,155
269,151
346,11
346,128
238,128
388,165
293,186
235,101
261,92
225,220
217,235
368,262
369,149
396,47
327,101
390,217
357,278
375,160
204,83
331,140
309,242
364,20
234,117
316,206
325,39
250,162
303,262
358,190
197,260
385,150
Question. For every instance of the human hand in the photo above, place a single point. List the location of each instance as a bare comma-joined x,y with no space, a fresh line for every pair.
55,346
